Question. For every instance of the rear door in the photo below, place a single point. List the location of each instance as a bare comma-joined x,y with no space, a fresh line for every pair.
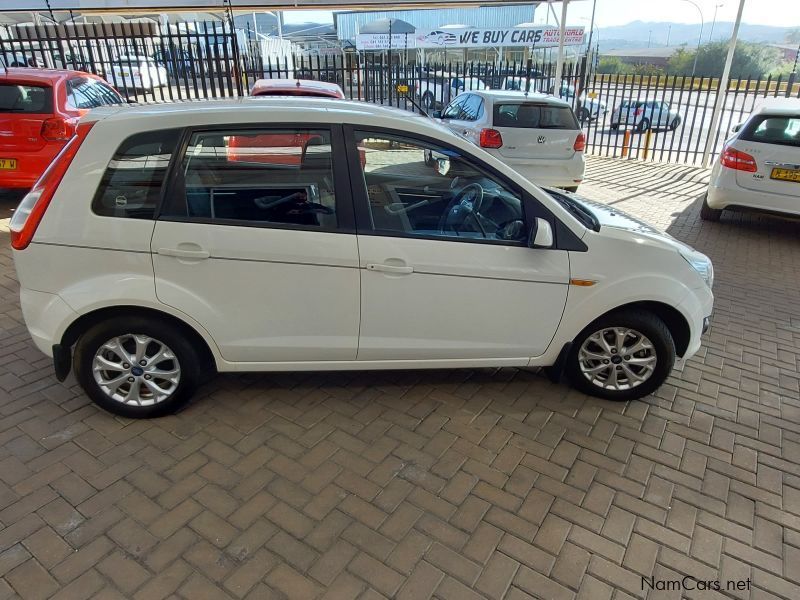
535,129
259,249
774,142
24,107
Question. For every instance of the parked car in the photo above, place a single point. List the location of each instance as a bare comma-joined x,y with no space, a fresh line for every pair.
759,167
436,89
17,59
173,262
177,61
39,110
537,135
296,87
645,114
137,73
587,108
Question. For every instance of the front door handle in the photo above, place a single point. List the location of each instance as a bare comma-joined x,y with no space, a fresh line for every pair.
181,253
394,269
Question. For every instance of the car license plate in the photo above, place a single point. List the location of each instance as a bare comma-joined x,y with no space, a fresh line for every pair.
8,164
786,174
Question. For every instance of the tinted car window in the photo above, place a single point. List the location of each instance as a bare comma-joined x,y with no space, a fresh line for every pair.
453,110
131,185
781,130
34,99
258,177
530,115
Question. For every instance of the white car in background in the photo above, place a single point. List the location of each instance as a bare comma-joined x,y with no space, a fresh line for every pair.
759,167
537,135
137,72
436,89
645,114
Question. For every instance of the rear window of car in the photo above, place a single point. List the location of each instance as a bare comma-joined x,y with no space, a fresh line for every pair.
84,92
781,130
131,185
529,115
23,98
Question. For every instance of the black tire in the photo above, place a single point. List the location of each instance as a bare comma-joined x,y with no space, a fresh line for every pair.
428,101
707,213
584,116
675,124
643,125
186,356
641,321
614,126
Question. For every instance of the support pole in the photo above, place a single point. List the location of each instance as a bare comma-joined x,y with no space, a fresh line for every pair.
719,102
560,60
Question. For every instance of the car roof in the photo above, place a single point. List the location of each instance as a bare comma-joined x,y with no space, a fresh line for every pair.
782,106
35,75
518,96
297,87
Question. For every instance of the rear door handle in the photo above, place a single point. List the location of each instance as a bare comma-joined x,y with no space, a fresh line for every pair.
395,269
180,253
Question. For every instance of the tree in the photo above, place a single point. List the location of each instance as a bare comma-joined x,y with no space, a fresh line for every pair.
611,64
793,36
749,60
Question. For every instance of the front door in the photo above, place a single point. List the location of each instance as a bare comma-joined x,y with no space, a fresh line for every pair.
446,272
255,242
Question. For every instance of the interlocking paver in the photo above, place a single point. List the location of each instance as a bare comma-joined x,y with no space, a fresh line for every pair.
446,484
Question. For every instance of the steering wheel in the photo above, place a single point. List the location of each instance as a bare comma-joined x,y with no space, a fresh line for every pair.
465,203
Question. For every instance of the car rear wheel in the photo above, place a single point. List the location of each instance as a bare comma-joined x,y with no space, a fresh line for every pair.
675,123
621,356
137,367
428,100
584,116
707,213
614,126
644,125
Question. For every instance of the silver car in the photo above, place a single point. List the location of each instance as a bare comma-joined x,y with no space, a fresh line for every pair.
645,114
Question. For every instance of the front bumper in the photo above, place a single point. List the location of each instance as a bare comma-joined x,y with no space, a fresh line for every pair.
697,308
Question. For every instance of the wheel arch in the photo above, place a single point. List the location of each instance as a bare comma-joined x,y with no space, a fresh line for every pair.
83,323
677,324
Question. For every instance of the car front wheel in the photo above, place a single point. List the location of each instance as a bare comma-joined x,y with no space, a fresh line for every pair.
624,355
136,367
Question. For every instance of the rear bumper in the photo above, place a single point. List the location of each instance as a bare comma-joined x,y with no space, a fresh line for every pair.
30,166
724,193
45,315
555,173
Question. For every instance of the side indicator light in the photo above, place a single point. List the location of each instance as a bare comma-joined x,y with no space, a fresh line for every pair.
582,282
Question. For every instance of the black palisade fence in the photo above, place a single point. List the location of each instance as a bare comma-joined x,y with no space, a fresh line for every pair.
203,60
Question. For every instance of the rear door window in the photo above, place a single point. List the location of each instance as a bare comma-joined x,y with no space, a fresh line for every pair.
530,115
131,185
781,130
83,92
23,98
472,109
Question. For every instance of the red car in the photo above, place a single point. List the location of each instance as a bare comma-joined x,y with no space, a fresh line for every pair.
280,148
296,87
39,110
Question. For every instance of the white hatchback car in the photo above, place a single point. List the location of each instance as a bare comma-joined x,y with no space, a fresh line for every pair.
759,167
535,134
261,235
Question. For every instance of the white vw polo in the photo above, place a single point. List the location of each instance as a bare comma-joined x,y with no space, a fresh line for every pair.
262,235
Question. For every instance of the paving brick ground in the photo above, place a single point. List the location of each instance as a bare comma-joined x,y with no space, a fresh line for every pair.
458,485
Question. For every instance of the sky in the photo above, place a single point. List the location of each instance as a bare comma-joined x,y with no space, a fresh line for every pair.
780,13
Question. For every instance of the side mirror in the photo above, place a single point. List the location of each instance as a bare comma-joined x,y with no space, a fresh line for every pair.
541,234
442,166
736,127
437,114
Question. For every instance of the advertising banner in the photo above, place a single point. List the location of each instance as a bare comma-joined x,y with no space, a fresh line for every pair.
539,37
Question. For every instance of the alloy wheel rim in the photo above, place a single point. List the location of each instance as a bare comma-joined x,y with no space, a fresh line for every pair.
136,370
617,358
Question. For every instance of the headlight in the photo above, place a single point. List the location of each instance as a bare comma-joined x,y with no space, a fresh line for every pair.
702,264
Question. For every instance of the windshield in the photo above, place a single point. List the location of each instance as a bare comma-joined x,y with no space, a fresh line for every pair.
21,98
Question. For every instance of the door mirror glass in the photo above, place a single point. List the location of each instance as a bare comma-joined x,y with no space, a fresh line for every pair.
437,114
542,234
442,166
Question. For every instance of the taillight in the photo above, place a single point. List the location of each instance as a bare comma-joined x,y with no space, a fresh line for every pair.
30,211
638,111
490,138
57,129
737,160
580,143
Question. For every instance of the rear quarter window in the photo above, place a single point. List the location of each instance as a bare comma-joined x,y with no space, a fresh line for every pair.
773,129
132,182
23,98
530,115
